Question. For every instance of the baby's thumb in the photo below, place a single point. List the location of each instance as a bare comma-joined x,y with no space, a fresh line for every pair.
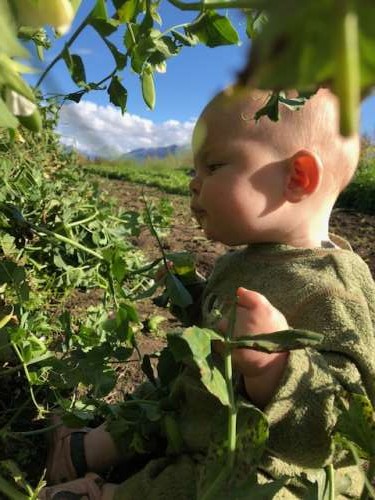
250,299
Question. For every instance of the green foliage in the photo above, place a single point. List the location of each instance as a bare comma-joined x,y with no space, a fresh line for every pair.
59,235
360,194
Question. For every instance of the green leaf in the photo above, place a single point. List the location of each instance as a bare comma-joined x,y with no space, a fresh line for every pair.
285,340
148,369
128,10
118,94
193,345
356,423
148,86
254,23
303,53
105,27
213,30
99,11
75,66
272,107
7,120
168,368
154,323
177,293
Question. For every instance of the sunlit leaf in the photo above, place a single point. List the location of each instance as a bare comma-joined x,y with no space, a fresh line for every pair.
213,30
100,10
194,345
128,10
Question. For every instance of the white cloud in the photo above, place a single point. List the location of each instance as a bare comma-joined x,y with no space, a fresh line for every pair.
102,130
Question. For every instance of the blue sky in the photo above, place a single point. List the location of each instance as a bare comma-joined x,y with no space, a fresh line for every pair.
192,78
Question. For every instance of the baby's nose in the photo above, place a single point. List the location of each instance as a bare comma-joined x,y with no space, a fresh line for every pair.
194,185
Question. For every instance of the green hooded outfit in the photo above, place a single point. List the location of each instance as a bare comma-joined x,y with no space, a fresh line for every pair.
325,290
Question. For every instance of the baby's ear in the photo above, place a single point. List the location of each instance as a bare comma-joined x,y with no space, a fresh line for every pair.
304,175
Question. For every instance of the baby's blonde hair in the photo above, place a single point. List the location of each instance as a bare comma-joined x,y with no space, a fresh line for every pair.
313,127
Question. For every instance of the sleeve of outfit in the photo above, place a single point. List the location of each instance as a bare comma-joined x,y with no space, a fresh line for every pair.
303,407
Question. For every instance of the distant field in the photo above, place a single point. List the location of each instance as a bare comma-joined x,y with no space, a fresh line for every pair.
169,179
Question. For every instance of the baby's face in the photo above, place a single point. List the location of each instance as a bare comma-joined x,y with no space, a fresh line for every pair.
237,188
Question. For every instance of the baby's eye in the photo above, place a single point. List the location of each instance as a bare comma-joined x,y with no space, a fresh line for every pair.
215,166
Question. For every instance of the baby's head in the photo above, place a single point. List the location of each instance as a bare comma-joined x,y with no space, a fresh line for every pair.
269,181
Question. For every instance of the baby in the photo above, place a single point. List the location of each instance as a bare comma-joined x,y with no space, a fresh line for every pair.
271,187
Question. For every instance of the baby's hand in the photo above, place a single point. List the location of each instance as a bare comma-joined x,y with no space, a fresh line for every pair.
162,272
262,371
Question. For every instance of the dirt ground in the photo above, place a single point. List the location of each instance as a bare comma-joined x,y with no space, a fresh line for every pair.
185,235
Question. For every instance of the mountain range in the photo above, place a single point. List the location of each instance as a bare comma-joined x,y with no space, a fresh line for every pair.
161,152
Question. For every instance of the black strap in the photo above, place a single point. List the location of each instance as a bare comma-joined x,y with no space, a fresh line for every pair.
77,453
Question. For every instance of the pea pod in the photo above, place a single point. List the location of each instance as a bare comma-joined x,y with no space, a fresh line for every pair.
148,87
37,13
26,111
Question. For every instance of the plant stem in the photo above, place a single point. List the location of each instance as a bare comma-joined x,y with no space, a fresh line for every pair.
154,233
129,26
27,374
10,491
331,481
64,239
232,408
173,28
83,221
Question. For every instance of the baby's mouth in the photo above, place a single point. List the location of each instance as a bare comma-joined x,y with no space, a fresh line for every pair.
198,214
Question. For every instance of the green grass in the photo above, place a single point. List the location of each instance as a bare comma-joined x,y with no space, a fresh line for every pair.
360,194
163,176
